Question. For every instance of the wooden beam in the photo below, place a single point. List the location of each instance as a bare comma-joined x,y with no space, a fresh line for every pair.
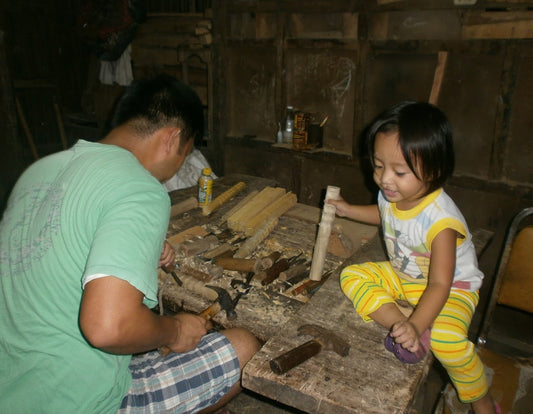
437,78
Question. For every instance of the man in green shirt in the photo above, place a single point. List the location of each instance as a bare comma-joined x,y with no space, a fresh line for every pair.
80,243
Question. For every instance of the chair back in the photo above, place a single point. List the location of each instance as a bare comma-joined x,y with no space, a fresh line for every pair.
513,282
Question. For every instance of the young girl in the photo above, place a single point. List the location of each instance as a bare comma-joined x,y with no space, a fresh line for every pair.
432,261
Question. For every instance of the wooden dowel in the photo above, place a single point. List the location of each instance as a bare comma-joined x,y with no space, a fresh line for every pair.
223,198
184,206
324,231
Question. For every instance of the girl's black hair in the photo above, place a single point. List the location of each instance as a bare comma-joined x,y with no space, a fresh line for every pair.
425,138
152,103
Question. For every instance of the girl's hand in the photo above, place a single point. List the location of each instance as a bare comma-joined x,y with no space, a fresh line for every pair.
168,255
405,334
368,214
341,206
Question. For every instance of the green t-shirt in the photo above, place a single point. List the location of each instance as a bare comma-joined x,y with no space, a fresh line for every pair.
92,209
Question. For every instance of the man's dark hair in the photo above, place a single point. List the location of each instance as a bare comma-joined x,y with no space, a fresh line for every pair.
150,104
425,138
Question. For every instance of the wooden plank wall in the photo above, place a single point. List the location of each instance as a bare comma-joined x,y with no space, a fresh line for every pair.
353,59
347,59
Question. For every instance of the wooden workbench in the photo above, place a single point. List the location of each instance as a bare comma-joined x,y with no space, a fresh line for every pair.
369,380
265,308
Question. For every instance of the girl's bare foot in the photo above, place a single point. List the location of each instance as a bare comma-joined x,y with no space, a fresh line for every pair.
486,405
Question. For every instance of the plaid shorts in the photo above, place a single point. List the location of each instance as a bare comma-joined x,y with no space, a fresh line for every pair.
182,383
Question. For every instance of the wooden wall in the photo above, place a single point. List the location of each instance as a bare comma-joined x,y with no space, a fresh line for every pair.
353,59
349,59
42,63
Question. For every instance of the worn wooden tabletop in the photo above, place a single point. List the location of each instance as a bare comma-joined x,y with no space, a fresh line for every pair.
265,308
369,380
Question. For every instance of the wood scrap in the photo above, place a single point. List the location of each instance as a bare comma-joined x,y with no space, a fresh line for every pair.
241,265
194,285
239,205
324,231
270,259
274,209
260,201
195,273
223,198
250,244
295,269
339,244
183,207
218,251
198,245
177,239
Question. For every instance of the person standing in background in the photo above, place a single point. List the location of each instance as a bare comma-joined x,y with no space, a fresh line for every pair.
80,243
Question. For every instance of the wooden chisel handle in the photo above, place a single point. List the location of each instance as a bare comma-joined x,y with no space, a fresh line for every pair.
273,272
207,314
294,357
242,265
268,261
211,311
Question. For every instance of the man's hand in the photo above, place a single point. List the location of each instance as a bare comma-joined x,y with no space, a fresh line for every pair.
190,329
114,319
166,261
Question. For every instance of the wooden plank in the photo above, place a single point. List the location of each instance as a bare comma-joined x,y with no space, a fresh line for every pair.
415,24
438,77
156,57
498,25
320,26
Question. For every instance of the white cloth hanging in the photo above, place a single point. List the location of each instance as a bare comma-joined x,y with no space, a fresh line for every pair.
118,71
190,171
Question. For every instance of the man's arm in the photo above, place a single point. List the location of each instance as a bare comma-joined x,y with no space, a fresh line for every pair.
114,319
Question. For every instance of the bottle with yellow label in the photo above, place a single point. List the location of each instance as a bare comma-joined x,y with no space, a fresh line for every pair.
205,187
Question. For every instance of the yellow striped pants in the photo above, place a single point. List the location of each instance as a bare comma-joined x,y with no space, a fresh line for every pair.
371,285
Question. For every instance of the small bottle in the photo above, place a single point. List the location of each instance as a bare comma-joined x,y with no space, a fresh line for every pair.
279,136
288,126
205,187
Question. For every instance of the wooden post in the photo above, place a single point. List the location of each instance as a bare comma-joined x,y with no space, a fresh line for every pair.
324,231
